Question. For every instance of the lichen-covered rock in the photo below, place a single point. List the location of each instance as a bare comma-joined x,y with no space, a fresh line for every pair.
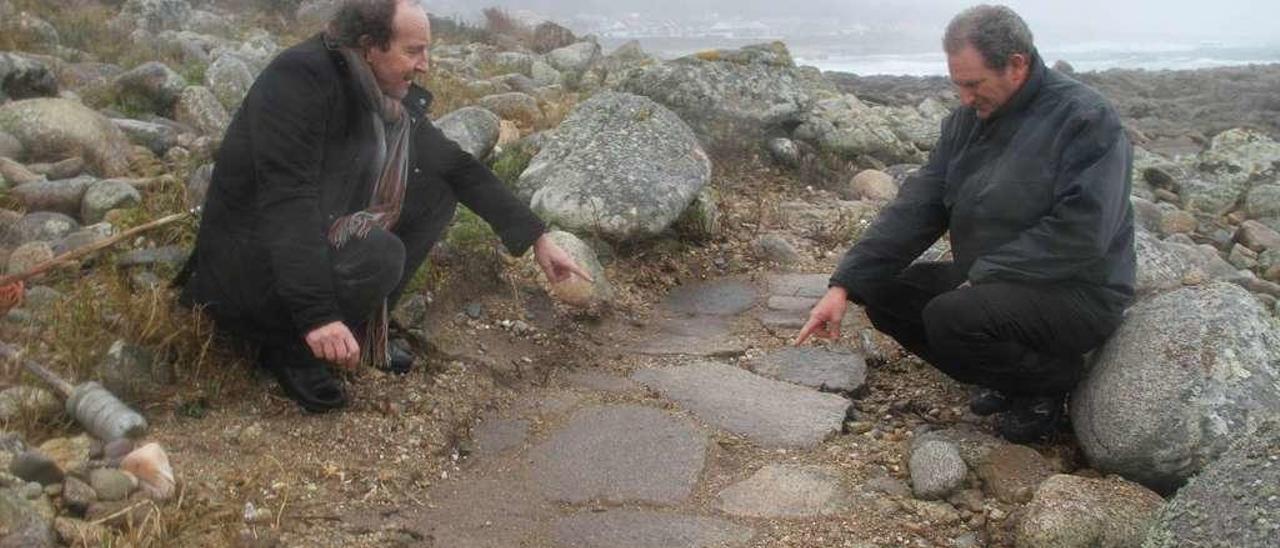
936,469
27,256
574,58
62,196
44,226
53,129
1263,201
200,109
229,77
846,126
155,15
1234,501
474,129
1075,512
158,138
106,195
24,524
153,86
1186,370
1235,159
515,106
22,77
620,165
728,96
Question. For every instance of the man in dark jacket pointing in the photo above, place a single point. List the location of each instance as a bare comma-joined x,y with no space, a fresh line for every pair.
330,188
1031,178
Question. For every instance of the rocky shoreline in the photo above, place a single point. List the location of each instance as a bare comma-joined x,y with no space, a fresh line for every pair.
1171,111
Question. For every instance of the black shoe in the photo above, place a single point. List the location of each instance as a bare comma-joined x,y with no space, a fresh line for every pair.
303,377
1030,419
400,360
989,401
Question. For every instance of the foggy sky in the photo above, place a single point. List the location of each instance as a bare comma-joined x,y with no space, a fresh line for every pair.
1071,21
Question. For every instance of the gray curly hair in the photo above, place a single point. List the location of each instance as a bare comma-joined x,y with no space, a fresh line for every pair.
995,31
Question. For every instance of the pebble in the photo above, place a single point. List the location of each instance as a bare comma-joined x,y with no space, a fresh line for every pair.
77,495
35,466
150,465
112,484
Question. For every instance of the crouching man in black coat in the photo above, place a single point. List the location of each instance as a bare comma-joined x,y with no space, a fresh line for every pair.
329,190
1031,179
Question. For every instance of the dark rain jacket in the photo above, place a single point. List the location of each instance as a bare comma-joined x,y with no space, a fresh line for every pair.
1036,194
290,164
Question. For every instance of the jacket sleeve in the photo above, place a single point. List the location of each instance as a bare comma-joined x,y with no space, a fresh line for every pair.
1091,201
482,192
287,124
904,229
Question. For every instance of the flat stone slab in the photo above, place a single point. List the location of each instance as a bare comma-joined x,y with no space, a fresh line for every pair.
604,382
769,412
814,367
813,286
646,529
715,298
497,435
483,512
786,491
784,303
782,320
620,453
706,336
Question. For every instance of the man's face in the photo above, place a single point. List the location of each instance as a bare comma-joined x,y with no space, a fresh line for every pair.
406,55
981,87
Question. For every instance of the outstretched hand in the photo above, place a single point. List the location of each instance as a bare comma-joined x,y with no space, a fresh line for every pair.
555,262
824,319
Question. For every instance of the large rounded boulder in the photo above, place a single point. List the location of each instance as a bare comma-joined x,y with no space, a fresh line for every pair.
726,95
54,129
620,165
1234,502
1187,370
474,129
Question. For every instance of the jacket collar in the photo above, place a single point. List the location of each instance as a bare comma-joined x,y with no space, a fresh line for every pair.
417,102
1028,91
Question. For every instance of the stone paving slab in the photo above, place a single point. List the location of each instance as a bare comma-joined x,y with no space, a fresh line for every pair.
769,412
646,529
604,382
620,453
485,512
786,491
715,298
790,304
706,336
815,367
813,286
498,434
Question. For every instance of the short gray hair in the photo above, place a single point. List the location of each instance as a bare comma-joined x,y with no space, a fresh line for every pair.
356,18
995,31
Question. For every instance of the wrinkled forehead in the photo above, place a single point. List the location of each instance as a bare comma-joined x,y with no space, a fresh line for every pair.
411,22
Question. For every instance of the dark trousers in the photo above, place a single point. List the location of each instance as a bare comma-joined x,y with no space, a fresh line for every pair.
365,271
1020,339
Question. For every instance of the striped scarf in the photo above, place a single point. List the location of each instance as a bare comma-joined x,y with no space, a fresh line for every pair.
391,161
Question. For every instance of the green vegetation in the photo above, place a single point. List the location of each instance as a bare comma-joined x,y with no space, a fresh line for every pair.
512,162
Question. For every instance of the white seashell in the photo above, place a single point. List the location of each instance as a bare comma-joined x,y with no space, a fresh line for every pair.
150,465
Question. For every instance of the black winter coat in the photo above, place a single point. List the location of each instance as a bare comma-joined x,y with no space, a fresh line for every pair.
289,165
1036,194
